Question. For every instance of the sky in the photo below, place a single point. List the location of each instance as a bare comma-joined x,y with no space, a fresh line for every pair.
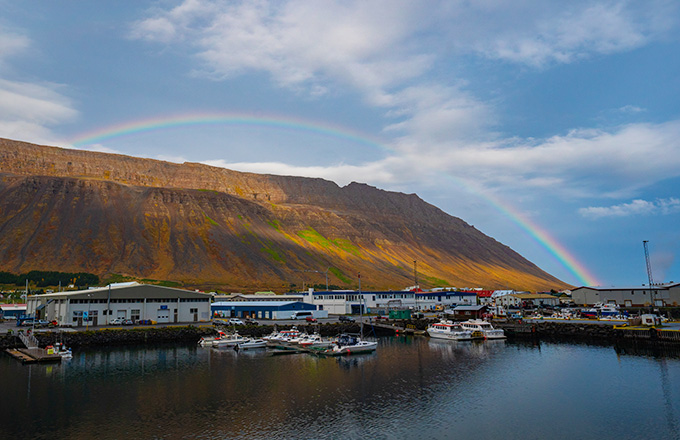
551,126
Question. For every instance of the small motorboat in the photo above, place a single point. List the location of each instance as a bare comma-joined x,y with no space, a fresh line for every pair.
229,340
250,344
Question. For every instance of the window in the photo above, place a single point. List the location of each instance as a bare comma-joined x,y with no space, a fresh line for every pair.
134,315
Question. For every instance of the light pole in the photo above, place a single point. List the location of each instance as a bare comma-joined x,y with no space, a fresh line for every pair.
87,320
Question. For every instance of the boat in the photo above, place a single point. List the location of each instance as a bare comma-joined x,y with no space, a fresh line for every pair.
250,344
482,330
229,340
599,310
448,330
314,341
349,344
208,340
282,338
61,350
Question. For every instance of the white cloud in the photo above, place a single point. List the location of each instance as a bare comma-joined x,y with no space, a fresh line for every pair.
11,44
388,50
28,110
636,207
342,174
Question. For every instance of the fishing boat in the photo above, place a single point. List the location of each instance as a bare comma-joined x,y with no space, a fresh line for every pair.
282,338
450,331
482,330
314,341
208,340
229,340
600,310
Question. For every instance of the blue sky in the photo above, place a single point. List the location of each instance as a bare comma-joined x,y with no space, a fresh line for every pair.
565,113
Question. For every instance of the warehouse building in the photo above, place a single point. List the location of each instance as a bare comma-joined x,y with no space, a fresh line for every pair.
661,295
134,301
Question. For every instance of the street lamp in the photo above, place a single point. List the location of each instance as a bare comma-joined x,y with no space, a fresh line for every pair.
87,319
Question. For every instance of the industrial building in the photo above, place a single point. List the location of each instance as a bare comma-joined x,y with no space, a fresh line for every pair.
133,301
661,295
264,309
343,302
12,311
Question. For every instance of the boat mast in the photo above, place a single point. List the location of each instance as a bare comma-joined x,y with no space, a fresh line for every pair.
361,307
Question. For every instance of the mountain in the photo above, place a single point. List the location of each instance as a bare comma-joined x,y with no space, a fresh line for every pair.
203,226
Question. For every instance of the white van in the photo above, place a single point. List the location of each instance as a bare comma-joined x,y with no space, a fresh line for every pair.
301,315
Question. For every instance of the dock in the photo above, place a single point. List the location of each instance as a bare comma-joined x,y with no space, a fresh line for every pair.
32,355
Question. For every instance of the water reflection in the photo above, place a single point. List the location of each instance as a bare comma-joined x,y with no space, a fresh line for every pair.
410,387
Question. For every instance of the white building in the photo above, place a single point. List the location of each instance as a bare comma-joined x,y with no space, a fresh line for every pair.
133,301
343,302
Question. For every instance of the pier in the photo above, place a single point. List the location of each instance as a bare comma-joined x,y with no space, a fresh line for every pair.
32,355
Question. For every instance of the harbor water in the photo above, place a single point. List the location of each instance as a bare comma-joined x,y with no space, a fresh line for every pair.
411,388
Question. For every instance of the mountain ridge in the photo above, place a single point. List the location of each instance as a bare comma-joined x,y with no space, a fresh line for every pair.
202,225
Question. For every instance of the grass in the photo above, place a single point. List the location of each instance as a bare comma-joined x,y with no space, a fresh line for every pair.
340,275
313,237
347,246
275,224
273,254
211,221
437,282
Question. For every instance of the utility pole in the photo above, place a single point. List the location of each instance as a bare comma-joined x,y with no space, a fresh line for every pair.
415,274
649,273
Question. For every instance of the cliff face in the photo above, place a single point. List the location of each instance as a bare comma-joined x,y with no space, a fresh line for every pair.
73,211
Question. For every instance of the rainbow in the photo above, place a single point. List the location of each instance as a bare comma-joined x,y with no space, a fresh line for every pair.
540,235
273,122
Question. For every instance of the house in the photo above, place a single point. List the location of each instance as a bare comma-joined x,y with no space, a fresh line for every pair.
134,301
469,312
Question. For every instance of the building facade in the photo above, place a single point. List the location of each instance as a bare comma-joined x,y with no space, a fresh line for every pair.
661,295
131,301
264,309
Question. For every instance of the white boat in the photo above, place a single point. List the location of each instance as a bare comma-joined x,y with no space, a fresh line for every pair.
229,340
61,350
482,330
600,310
347,344
283,337
449,330
250,344
314,341
208,340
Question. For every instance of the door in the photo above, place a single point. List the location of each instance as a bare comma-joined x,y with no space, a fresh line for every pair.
175,315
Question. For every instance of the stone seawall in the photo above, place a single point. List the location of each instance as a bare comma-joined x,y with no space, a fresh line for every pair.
159,335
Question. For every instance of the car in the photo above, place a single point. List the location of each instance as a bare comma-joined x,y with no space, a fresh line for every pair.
128,322
344,318
310,319
251,322
42,323
235,321
117,321
381,318
218,321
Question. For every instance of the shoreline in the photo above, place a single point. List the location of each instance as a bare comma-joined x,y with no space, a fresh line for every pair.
540,330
